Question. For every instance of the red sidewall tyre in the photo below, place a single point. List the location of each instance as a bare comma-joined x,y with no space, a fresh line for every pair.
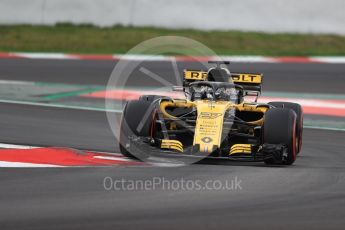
280,128
299,122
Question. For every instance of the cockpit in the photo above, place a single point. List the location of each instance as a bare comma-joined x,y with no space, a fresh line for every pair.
216,91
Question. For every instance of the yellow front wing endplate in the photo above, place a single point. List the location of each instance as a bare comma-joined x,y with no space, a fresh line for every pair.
172,144
240,149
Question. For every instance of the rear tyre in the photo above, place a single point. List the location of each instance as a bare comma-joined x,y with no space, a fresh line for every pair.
280,128
136,120
297,108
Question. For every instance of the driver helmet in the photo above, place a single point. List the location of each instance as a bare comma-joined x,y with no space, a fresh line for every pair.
218,74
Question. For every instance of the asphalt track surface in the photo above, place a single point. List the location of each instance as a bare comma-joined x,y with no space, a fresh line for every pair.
307,195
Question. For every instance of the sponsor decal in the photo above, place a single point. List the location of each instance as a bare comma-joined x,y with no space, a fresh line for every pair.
208,115
207,139
195,75
246,78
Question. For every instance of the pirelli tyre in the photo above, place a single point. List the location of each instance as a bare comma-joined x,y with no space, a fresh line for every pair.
299,123
135,121
280,128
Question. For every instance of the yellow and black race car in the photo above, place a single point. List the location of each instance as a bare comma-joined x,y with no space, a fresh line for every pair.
214,121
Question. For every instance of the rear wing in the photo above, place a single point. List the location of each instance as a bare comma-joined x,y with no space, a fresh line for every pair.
249,81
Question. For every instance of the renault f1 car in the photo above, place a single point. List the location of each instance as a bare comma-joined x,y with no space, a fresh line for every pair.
215,120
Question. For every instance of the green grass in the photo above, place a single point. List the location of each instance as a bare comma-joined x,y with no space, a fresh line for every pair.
89,39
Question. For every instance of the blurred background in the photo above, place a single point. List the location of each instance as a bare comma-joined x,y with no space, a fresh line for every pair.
266,27
295,16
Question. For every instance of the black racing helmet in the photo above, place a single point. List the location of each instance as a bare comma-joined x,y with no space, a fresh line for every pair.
218,75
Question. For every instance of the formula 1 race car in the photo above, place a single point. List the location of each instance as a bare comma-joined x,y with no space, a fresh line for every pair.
214,120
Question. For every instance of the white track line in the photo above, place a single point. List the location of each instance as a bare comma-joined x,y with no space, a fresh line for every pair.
12,146
111,156
7,164
324,128
335,60
11,82
57,106
233,58
45,56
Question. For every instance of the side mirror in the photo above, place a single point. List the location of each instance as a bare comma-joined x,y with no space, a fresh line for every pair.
178,88
251,93
255,94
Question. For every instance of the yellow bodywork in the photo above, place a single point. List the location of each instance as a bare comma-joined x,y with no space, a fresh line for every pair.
209,124
210,117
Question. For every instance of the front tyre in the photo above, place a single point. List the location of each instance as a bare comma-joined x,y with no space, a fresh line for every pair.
280,128
136,121
297,108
